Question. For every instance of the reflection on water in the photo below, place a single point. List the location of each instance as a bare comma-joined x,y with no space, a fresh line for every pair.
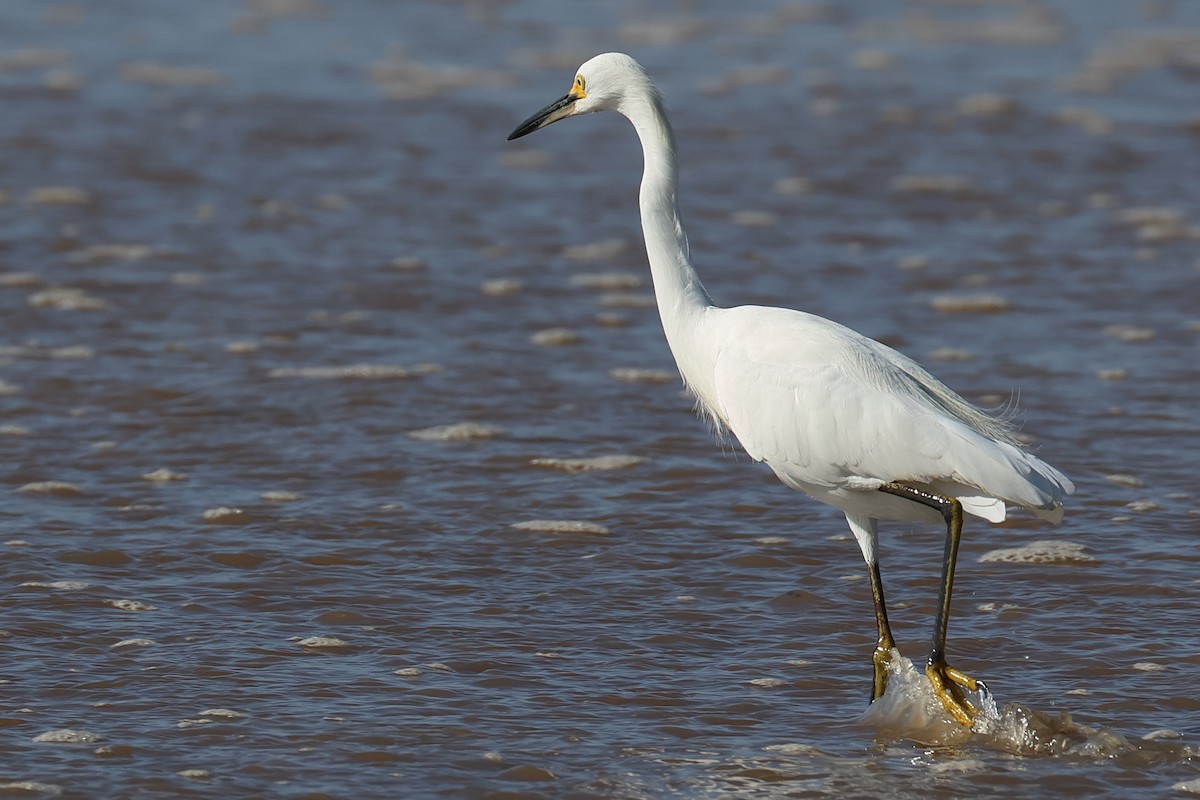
343,455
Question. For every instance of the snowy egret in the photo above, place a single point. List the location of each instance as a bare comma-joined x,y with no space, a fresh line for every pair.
834,414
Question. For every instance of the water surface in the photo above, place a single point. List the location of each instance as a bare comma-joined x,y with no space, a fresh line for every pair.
254,257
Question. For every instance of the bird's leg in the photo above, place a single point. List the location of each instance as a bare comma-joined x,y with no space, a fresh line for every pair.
948,683
886,646
866,532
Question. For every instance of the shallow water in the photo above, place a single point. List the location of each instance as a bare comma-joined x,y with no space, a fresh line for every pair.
255,258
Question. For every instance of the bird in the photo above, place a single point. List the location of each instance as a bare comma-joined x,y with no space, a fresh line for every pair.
839,416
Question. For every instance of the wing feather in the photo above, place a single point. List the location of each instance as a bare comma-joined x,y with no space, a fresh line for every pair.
827,407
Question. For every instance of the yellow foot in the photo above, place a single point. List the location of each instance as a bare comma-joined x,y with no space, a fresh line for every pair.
882,659
948,684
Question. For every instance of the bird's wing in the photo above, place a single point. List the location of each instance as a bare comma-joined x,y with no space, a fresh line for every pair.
829,407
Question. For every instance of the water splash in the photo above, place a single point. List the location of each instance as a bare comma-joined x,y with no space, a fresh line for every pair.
910,710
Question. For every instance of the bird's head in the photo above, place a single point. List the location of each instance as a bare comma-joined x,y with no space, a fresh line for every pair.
601,84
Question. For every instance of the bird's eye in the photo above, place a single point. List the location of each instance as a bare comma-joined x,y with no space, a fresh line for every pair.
580,85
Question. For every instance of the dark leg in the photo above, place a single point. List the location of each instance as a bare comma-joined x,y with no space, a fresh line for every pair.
865,531
948,683
886,645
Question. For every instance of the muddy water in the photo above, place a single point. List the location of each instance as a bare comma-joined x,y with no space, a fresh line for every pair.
343,455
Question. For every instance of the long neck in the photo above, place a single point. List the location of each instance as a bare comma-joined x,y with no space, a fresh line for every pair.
677,287
676,284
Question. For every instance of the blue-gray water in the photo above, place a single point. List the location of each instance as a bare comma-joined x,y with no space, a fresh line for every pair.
248,249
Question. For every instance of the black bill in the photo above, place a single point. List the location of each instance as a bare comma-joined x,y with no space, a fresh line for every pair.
551,113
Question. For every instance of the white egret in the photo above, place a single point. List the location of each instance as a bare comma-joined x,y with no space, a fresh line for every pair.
834,414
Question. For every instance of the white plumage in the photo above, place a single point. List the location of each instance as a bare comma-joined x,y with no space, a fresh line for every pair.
833,413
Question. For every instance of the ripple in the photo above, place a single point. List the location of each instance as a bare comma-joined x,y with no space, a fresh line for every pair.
402,78
1150,215
68,736
131,605
51,488
753,218
951,354
19,278
1091,120
1051,551
58,196
793,749
872,59
164,475
324,643
224,713
986,104
597,463
794,185
525,159
970,303
457,432
1026,27
131,643
280,496
223,515
353,372
556,337
66,586
639,375
67,299
501,287
184,724
112,252
603,250
154,74
933,184
1129,333
628,300
21,788
68,353
757,75
1112,62
29,58
561,526
607,281
194,774
527,772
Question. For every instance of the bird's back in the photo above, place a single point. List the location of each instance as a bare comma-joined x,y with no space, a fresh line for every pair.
835,413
